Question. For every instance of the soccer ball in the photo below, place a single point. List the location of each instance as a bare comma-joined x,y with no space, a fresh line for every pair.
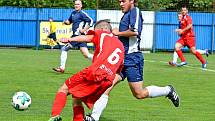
21,100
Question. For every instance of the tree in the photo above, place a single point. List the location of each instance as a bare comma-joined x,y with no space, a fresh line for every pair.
170,5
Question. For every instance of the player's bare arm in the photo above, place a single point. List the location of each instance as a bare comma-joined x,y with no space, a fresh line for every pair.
127,33
66,22
81,38
180,31
84,29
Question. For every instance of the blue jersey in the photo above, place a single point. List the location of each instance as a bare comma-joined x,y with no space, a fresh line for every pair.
79,19
131,20
179,25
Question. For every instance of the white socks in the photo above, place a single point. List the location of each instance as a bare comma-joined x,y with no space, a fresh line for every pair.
99,106
201,51
63,58
175,57
90,56
155,91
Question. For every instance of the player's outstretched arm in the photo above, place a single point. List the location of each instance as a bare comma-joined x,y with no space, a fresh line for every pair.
127,33
81,38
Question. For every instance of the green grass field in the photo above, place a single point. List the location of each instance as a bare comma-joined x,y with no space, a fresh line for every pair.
31,71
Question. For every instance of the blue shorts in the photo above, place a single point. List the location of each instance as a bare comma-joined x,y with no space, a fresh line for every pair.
133,67
78,44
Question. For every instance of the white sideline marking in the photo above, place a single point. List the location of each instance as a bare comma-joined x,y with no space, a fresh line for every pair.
210,70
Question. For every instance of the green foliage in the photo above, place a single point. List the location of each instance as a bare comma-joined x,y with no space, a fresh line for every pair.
173,5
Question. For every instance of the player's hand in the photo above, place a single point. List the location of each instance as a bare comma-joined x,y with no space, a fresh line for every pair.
180,31
64,40
82,31
66,22
115,31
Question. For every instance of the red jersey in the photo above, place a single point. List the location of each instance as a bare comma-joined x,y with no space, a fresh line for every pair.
186,20
90,83
108,56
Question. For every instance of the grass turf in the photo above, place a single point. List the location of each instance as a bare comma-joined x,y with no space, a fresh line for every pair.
31,71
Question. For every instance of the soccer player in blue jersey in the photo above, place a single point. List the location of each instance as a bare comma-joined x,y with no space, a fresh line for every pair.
129,33
81,22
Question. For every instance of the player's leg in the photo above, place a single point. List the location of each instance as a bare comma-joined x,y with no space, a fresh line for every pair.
101,103
178,47
153,91
55,39
63,58
203,52
84,50
135,80
78,110
174,59
198,56
59,102
192,45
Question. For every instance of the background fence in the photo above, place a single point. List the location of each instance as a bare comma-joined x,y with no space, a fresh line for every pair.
19,27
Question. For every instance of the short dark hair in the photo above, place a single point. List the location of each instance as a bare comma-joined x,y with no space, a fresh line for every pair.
135,3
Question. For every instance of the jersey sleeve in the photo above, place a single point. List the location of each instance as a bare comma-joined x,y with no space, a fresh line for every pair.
189,20
134,20
86,18
95,38
70,18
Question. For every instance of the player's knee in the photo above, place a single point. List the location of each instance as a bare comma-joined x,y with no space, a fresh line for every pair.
177,46
63,89
193,51
139,95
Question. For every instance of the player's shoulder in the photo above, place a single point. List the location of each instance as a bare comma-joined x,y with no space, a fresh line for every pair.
187,17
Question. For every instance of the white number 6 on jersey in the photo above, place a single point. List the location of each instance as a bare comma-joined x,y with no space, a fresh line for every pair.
114,57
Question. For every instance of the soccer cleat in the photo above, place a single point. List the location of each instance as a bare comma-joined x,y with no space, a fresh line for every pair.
172,64
207,53
56,118
204,65
173,96
58,69
182,64
89,118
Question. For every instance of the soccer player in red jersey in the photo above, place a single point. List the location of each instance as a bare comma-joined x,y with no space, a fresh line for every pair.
187,39
90,83
175,55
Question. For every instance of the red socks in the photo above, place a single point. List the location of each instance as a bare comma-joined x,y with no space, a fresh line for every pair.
199,56
180,55
59,103
78,112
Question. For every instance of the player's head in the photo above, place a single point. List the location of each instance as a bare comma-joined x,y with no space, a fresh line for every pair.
103,25
50,19
78,5
126,5
180,16
184,10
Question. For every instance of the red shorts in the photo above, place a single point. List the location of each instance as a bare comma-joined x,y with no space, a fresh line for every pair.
89,91
187,41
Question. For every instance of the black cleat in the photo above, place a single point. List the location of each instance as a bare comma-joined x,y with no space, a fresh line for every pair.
56,118
173,96
207,53
89,118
